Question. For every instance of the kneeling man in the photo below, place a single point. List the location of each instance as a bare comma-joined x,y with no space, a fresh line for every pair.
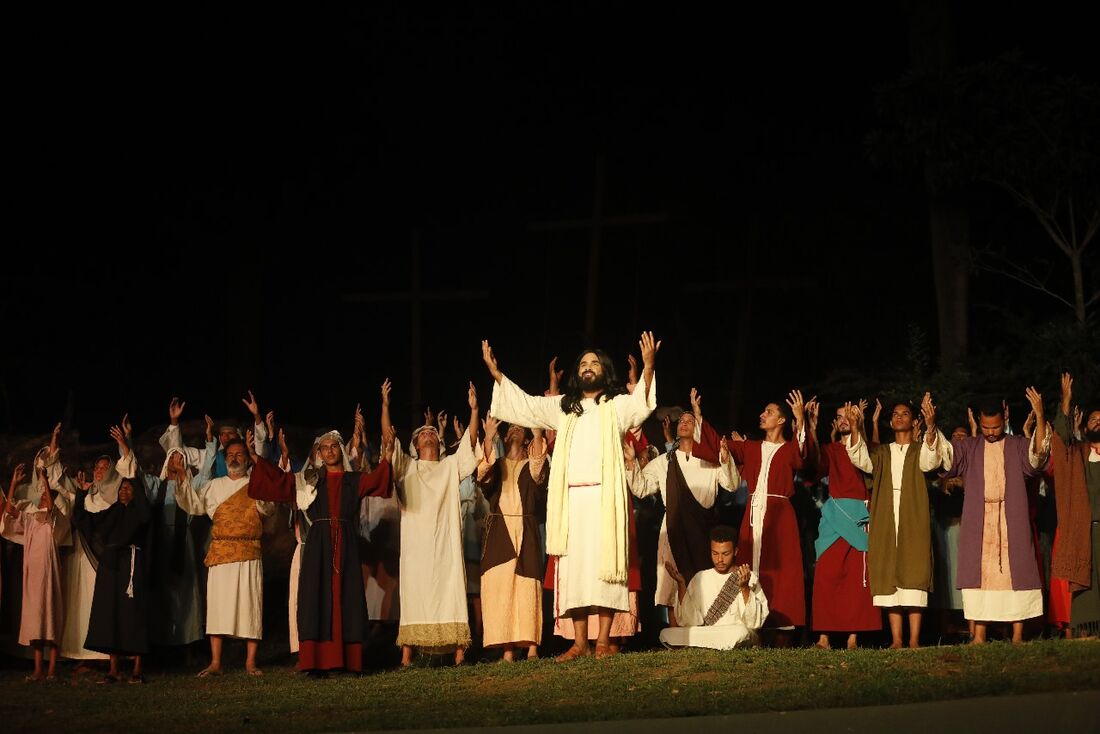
723,606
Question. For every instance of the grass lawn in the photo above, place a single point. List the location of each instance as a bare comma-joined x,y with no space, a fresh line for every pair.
636,685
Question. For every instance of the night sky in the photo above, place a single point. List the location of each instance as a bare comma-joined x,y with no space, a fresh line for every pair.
243,191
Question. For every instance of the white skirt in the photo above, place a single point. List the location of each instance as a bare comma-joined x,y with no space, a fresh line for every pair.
235,600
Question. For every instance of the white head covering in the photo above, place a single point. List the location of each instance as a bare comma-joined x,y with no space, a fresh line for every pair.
343,449
412,441
103,494
168,457
33,489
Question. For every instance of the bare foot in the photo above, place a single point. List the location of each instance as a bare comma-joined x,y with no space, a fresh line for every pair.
896,645
823,643
253,670
532,653
509,656
914,645
852,642
460,656
976,641
209,671
572,654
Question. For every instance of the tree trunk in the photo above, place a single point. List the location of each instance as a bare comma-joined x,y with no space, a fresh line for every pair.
1078,287
949,231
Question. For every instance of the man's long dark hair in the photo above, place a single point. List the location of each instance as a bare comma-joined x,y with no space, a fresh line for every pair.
571,398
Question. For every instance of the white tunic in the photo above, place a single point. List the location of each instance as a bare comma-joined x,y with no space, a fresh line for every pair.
433,575
578,585
734,628
702,479
234,591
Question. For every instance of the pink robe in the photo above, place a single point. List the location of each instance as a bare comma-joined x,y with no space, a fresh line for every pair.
43,612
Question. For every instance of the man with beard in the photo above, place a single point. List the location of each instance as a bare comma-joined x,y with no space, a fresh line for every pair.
998,571
899,544
841,596
212,457
588,507
1074,565
235,582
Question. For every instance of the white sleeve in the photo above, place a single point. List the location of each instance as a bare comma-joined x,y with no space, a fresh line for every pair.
939,453
689,611
1038,455
513,405
647,482
190,500
858,454
635,407
171,439
466,456
755,610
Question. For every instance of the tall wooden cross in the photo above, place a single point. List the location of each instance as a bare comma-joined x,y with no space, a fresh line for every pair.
415,297
595,226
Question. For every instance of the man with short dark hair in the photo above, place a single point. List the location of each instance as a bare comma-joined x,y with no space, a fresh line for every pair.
998,570
723,606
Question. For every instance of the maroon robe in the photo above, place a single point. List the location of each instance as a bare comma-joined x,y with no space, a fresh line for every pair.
842,599
781,576
332,607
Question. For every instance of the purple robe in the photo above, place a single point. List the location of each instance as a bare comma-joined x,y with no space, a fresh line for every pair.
969,463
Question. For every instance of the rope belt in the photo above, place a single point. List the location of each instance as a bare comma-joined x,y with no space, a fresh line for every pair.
336,530
133,563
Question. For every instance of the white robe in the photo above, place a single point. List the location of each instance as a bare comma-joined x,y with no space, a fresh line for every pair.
578,584
432,578
735,627
234,591
702,479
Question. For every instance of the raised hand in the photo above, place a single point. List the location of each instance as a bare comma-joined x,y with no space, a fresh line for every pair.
628,452
797,406
82,481
386,388
632,371
666,428
1029,424
649,348
735,436
283,450
209,428
253,406
55,437
696,402
491,361
1036,401
834,430
537,447
471,396
973,423
862,405
389,440
491,427
357,428
428,416
1078,418
878,411
17,478
723,451
175,410
269,419
555,376
120,437
250,445
457,427
127,427
1004,409
928,411
812,409
1067,392
441,421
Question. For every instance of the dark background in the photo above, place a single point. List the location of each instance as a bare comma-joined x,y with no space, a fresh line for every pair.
205,203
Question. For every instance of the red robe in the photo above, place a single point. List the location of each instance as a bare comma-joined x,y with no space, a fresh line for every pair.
780,572
842,592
